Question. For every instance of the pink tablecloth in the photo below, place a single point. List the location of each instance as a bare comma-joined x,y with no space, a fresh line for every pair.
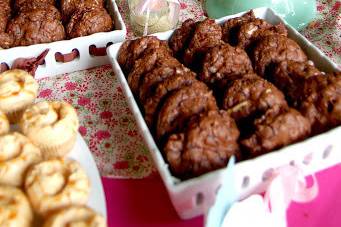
110,130
145,203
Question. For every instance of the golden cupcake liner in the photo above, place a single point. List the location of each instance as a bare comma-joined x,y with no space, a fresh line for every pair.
15,116
57,151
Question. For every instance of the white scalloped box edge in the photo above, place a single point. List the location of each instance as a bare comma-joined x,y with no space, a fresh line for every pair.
84,61
193,197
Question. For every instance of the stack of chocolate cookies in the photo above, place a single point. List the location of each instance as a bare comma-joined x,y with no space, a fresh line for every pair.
242,88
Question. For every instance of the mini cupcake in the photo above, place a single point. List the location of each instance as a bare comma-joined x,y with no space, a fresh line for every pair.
17,154
18,90
81,215
15,209
4,124
56,184
52,126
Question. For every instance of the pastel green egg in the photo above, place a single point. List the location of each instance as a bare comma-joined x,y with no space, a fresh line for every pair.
298,13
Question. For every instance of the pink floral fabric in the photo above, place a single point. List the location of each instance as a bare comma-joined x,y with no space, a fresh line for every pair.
107,124
325,30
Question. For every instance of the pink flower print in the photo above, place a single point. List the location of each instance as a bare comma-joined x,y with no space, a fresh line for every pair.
82,130
82,87
102,135
45,93
121,165
320,8
98,94
183,5
70,86
83,101
127,110
132,133
337,6
142,158
92,107
106,115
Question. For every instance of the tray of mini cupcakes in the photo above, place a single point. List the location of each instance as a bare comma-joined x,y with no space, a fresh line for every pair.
43,179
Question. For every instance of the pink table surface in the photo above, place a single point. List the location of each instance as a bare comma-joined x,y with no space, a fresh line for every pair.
146,203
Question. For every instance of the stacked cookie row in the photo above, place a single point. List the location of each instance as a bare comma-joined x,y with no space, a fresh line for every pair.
259,77
240,60
31,22
36,178
180,110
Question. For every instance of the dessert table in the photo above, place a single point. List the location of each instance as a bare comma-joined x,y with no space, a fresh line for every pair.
135,193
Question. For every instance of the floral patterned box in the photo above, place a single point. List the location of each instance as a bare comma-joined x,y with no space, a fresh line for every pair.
84,60
194,196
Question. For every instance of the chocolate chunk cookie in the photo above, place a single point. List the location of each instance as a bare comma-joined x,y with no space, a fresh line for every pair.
273,49
253,31
290,76
87,21
157,75
207,34
162,89
181,37
5,13
28,5
231,27
252,96
6,41
322,101
181,105
224,63
68,7
275,131
154,58
36,26
132,50
206,145
247,29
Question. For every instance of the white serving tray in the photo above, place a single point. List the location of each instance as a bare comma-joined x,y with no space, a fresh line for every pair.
193,197
82,44
82,154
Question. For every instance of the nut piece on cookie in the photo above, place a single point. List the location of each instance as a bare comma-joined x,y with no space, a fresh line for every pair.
252,96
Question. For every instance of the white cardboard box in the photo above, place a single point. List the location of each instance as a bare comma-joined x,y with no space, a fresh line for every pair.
193,197
84,61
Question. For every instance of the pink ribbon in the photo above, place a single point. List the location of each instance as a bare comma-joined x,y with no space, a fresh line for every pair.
286,184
